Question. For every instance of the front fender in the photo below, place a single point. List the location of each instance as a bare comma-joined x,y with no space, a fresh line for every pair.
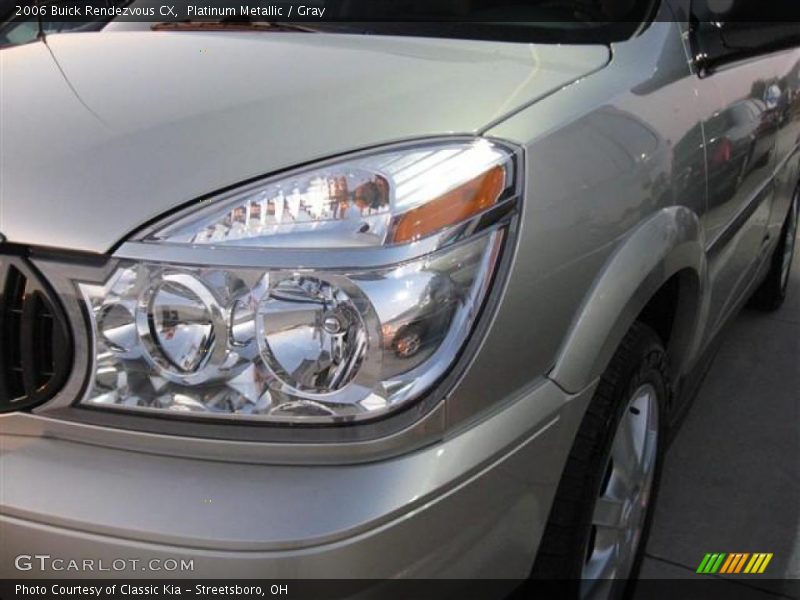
667,243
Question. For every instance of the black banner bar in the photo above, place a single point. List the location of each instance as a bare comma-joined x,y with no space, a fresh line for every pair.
576,13
699,588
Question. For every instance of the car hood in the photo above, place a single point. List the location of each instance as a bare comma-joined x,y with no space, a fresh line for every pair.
103,132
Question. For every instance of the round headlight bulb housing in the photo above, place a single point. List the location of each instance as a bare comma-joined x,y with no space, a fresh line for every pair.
311,334
181,326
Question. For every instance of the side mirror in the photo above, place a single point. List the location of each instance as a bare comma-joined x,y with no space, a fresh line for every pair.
726,30
746,11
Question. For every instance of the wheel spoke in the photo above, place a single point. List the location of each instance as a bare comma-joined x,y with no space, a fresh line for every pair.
625,454
608,512
602,564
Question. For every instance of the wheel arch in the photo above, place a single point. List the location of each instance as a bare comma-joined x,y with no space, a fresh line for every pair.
663,255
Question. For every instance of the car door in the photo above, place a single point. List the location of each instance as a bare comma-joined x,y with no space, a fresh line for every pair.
739,95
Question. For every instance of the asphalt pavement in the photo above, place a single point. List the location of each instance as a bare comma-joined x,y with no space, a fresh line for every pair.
731,480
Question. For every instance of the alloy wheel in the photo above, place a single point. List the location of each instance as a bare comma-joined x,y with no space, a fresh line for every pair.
621,507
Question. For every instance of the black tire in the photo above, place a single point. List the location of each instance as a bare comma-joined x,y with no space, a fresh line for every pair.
771,294
640,359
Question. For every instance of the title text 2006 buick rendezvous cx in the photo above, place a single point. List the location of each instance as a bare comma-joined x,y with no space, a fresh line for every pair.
321,304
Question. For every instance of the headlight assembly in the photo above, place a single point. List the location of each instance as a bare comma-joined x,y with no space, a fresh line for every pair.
368,276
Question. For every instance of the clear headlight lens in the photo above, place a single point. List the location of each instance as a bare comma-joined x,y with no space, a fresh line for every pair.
387,198
308,344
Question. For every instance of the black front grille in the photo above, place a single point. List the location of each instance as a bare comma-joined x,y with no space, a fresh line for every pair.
35,345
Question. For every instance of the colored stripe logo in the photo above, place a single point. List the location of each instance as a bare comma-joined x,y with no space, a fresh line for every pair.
734,563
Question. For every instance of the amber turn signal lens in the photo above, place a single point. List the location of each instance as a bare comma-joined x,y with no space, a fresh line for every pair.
459,204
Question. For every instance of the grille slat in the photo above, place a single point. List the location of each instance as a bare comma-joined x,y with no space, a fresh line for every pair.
35,348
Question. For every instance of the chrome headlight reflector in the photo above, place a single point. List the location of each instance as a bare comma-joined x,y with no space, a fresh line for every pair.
308,344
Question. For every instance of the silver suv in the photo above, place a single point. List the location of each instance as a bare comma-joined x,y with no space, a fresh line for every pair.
382,300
